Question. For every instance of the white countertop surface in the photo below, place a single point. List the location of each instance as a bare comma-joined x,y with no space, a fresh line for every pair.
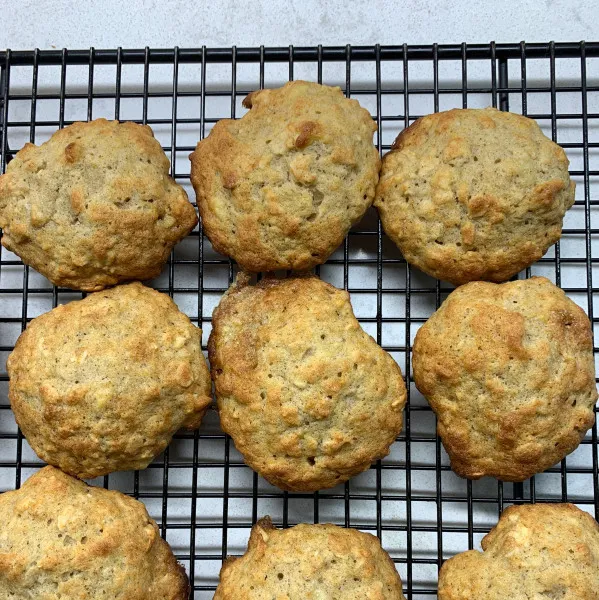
162,23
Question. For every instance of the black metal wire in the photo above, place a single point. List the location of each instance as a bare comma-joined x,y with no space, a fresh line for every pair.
304,54
407,497
588,250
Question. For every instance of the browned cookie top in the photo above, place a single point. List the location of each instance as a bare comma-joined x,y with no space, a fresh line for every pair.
102,384
509,370
281,187
308,397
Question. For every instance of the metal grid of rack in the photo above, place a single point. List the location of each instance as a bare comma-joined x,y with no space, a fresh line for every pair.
200,492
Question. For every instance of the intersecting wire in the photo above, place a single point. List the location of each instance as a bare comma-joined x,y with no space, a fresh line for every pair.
500,90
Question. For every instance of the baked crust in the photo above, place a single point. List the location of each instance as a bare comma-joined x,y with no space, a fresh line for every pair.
60,538
474,194
509,371
308,397
281,187
102,384
94,205
309,561
535,551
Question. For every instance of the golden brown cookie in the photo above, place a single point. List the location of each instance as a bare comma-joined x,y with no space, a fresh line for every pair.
281,187
60,538
538,551
473,194
509,371
102,384
308,397
310,561
94,205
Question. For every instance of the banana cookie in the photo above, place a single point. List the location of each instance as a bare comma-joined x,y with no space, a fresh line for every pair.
473,194
310,561
60,538
94,205
535,551
308,397
281,187
509,370
102,384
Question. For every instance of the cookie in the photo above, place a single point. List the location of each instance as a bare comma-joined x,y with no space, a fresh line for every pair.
474,194
94,205
509,371
60,538
308,397
310,561
536,551
102,384
281,187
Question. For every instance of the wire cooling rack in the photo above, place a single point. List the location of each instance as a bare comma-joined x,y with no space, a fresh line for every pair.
200,492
